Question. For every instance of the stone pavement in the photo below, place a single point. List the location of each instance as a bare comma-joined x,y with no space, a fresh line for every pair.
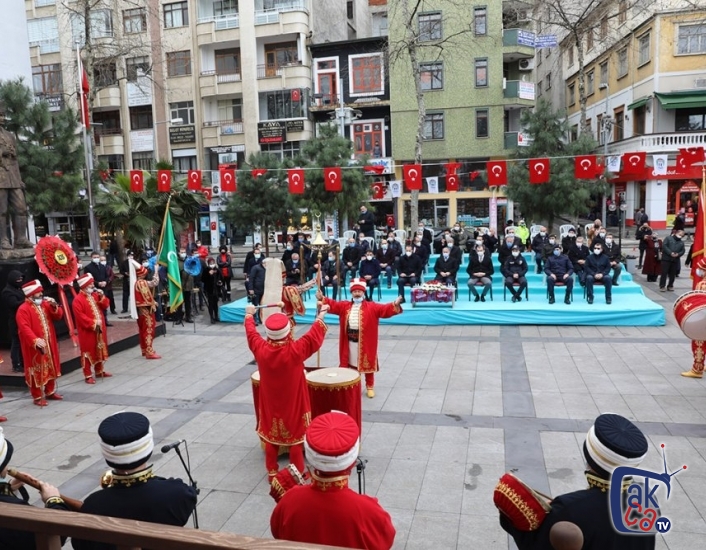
455,408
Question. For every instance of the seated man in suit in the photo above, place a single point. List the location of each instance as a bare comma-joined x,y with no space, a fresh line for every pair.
446,268
421,249
386,258
480,268
598,269
505,248
578,253
293,269
410,270
350,259
558,269
612,251
329,273
514,270
370,271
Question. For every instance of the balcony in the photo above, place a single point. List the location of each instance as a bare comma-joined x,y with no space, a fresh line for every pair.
226,127
108,97
213,83
217,28
658,143
518,94
109,141
267,17
518,44
276,77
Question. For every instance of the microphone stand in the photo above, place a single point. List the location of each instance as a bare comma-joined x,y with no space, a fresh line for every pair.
191,479
360,468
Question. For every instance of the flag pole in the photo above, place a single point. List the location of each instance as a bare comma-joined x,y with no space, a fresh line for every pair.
164,225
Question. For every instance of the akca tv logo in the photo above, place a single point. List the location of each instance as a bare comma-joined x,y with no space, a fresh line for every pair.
638,512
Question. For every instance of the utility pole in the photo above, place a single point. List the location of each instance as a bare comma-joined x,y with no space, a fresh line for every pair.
606,133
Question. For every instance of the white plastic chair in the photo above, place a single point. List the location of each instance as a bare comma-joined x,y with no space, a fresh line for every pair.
341,244
481,230
564,230
350,234
401,236
371,242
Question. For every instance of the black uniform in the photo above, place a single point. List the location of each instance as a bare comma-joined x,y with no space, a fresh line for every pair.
590,511
13,298
154,499
125,272
329,276
19,540
212,285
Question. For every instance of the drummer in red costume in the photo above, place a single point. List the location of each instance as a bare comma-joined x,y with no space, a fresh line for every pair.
146,306
88,309
698,347
40,350
285,410
327,511
359,321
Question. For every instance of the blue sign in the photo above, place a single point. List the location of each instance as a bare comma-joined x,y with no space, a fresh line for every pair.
525,38
546,41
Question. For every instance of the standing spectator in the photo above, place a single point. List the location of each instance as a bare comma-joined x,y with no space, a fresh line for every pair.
642,234
672,251
680,220
212,283
490,240
257,288
523,233
187,286
653,257
13,298
108,289
113,253
125,273
255,256
202,250
377,150
538,243
366,222
223,260
643,218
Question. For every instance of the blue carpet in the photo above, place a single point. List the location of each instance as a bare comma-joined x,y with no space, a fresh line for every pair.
630,306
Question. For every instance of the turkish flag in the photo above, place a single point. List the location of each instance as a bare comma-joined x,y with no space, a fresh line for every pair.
452,181
413,176
84,95
585,167
378,190
497,173
690,155
374,169
295,177
194,180
229,183
332,179
539,170
137,181
634,163
164,181
257,172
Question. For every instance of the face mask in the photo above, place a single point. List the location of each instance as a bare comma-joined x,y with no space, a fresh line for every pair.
446,256
38,301
677,237
104,262
597,251
542,233
384,247
289,247
515,254
390,239
556,252
257,255
145,264
407,253
211,266
369,258
579,243
509,244
450,244
351,245
95,260
90,290
331,258
608,241
572,235
479,242
479,251
420,230
602,235
357,300
457,229
182,255
552,241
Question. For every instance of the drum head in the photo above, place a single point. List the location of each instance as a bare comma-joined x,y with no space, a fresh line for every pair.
690,314
332,376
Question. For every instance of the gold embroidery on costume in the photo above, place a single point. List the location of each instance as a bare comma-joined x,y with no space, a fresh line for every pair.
42,369
325,484
521,505
595,482
111,479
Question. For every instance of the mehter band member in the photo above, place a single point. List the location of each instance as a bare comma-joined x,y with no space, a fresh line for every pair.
88,309
146,306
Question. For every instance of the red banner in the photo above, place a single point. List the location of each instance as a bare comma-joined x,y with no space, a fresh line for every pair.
585,167
413,176
257,172
378,190
164,181
194,180
295,177
497,173
634,163
332,179
228,181
691,155
538,171
137,181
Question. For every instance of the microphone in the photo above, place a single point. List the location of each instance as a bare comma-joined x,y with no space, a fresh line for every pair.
167,448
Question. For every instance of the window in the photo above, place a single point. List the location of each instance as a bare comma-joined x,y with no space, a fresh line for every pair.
643,47
44,32
366,75
107,123
599,129
589,128
143,161
115,163
604,28
225,7
183,110
176,15
690,120
590,83
280,55
228,61
179,63
136,65
349,9
571,99
283,104
429,26
230,110
548,81
368,139
539,57
622,11
46,79
639,118
480,21
604,72
481,67
589,39
327,81
135,21
432,76
482,123
434,126
622,62
619,128
184,164
105,74
574,132
141,117
571,54
539,88
692,39
287,150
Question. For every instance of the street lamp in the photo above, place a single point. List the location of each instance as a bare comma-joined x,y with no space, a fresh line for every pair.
606,132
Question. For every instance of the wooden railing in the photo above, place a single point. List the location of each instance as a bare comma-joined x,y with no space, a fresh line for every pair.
50,525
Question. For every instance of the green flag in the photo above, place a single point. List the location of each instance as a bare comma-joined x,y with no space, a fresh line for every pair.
169,259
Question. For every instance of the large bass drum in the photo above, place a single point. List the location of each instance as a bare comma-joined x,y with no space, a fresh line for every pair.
690,313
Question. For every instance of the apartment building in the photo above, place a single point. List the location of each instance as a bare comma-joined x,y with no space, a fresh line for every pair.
646,92
200,83
474,91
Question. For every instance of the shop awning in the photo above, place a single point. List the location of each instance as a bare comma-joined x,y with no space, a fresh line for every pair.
682,100
639,103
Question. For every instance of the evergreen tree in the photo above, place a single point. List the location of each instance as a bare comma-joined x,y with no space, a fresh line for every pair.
563,194
49,154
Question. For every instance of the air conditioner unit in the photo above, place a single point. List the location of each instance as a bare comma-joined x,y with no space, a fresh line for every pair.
523,16
700,83
526,64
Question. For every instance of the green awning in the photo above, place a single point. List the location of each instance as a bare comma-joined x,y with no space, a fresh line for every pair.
639,103
682,100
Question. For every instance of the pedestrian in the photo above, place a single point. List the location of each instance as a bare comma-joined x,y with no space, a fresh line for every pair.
88,308
653,257
642,235
145,306
284,407
13,298
40,349
224,264
359,321
212,285
672,251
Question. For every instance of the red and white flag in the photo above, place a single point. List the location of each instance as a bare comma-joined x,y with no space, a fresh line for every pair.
295,177
497,173
164,181
137,181
690,155
378,190
538,171
257,172
193,180
413,176
332,179
585,167
228,181
84,94
452,181
634,163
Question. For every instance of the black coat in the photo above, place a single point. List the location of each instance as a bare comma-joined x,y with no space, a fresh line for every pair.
12,298
410,265
329,269
446,266
577,253
597,263
157,500
559,266
99,272
212,283
613,252
257,279
504,252
294,272
351,254
514,266
486,266
366,223
19,540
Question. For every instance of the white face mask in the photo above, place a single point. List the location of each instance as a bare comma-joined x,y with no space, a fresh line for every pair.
597,251
257,255
38,301
289,247
446,256
515,254
479,242
608,241
331,258
542,233
408,253
602,235
369,258
384,247
551,241
450,243
182,255
358,300
103,262
90,290
95,260
211,266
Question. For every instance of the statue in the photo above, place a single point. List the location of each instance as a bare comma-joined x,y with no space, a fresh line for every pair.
12,191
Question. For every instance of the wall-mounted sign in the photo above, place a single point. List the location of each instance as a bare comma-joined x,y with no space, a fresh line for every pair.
227,149
182,134
139,92
273,131
141,141
295,126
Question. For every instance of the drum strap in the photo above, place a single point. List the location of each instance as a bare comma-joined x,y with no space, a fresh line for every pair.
353,335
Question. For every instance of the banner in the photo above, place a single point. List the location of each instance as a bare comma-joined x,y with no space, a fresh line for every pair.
613,164
164,181
660,164
169,259
395,189
433,184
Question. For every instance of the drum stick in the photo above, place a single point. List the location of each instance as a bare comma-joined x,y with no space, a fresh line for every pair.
72,503
279,304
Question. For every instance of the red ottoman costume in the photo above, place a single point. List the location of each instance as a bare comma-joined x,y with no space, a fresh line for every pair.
358,344
284,409
88,307
35,319
698,347
146,306
327,511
